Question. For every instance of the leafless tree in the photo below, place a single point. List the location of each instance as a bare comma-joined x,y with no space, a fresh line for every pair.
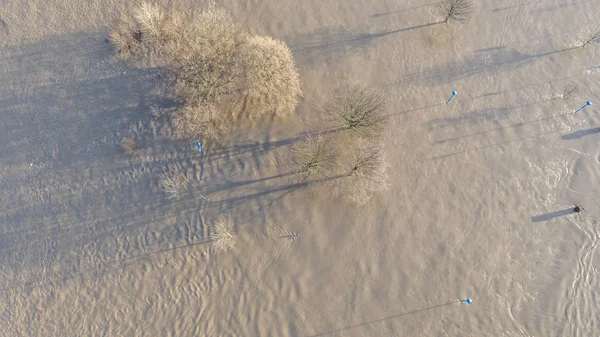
455,10
357,108
368,173
312,158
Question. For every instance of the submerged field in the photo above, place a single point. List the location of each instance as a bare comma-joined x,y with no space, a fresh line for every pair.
91,246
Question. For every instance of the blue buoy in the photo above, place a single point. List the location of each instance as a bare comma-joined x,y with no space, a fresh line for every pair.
199,146
588,103
454,93
468,301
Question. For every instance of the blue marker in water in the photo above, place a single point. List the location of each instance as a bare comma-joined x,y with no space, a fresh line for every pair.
454,93
588,103
467,300
199,146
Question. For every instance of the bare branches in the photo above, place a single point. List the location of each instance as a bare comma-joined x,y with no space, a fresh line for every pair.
367,176
358,109
312,158
455,10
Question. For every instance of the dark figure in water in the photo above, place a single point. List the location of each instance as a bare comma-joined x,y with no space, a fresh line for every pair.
577,209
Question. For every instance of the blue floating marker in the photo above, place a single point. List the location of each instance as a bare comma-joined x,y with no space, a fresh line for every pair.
454,93
588,103
199,146
468,301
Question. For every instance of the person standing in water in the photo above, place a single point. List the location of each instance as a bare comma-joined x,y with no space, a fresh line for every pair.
577,209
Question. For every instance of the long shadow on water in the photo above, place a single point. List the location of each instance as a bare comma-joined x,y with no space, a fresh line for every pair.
383,319
580,133
400,10
552,215
441,141
499,60
340,41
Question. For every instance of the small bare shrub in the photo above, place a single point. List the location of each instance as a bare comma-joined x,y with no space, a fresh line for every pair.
130,147
367,176
357,108
174,184
223,236
201,122
455,10
272,79
570,92
312,157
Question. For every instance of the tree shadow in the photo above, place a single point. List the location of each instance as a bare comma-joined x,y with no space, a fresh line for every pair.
496,61
441,141
580,133
208,189
413,110
552,8
262,147
383,319
552,215
494,145
471,117
377,15
66,120
489,94
328,42
517,6
235,201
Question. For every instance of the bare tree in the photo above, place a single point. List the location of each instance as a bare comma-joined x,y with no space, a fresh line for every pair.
357,108
312,158
199,122
272,79
455,10
570,92
223,236
130,147
367,176
174,183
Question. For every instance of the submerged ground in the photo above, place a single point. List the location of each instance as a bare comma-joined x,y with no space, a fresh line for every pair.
89,246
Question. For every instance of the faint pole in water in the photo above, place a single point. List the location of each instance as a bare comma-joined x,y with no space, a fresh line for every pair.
467,300
454,93
588,103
